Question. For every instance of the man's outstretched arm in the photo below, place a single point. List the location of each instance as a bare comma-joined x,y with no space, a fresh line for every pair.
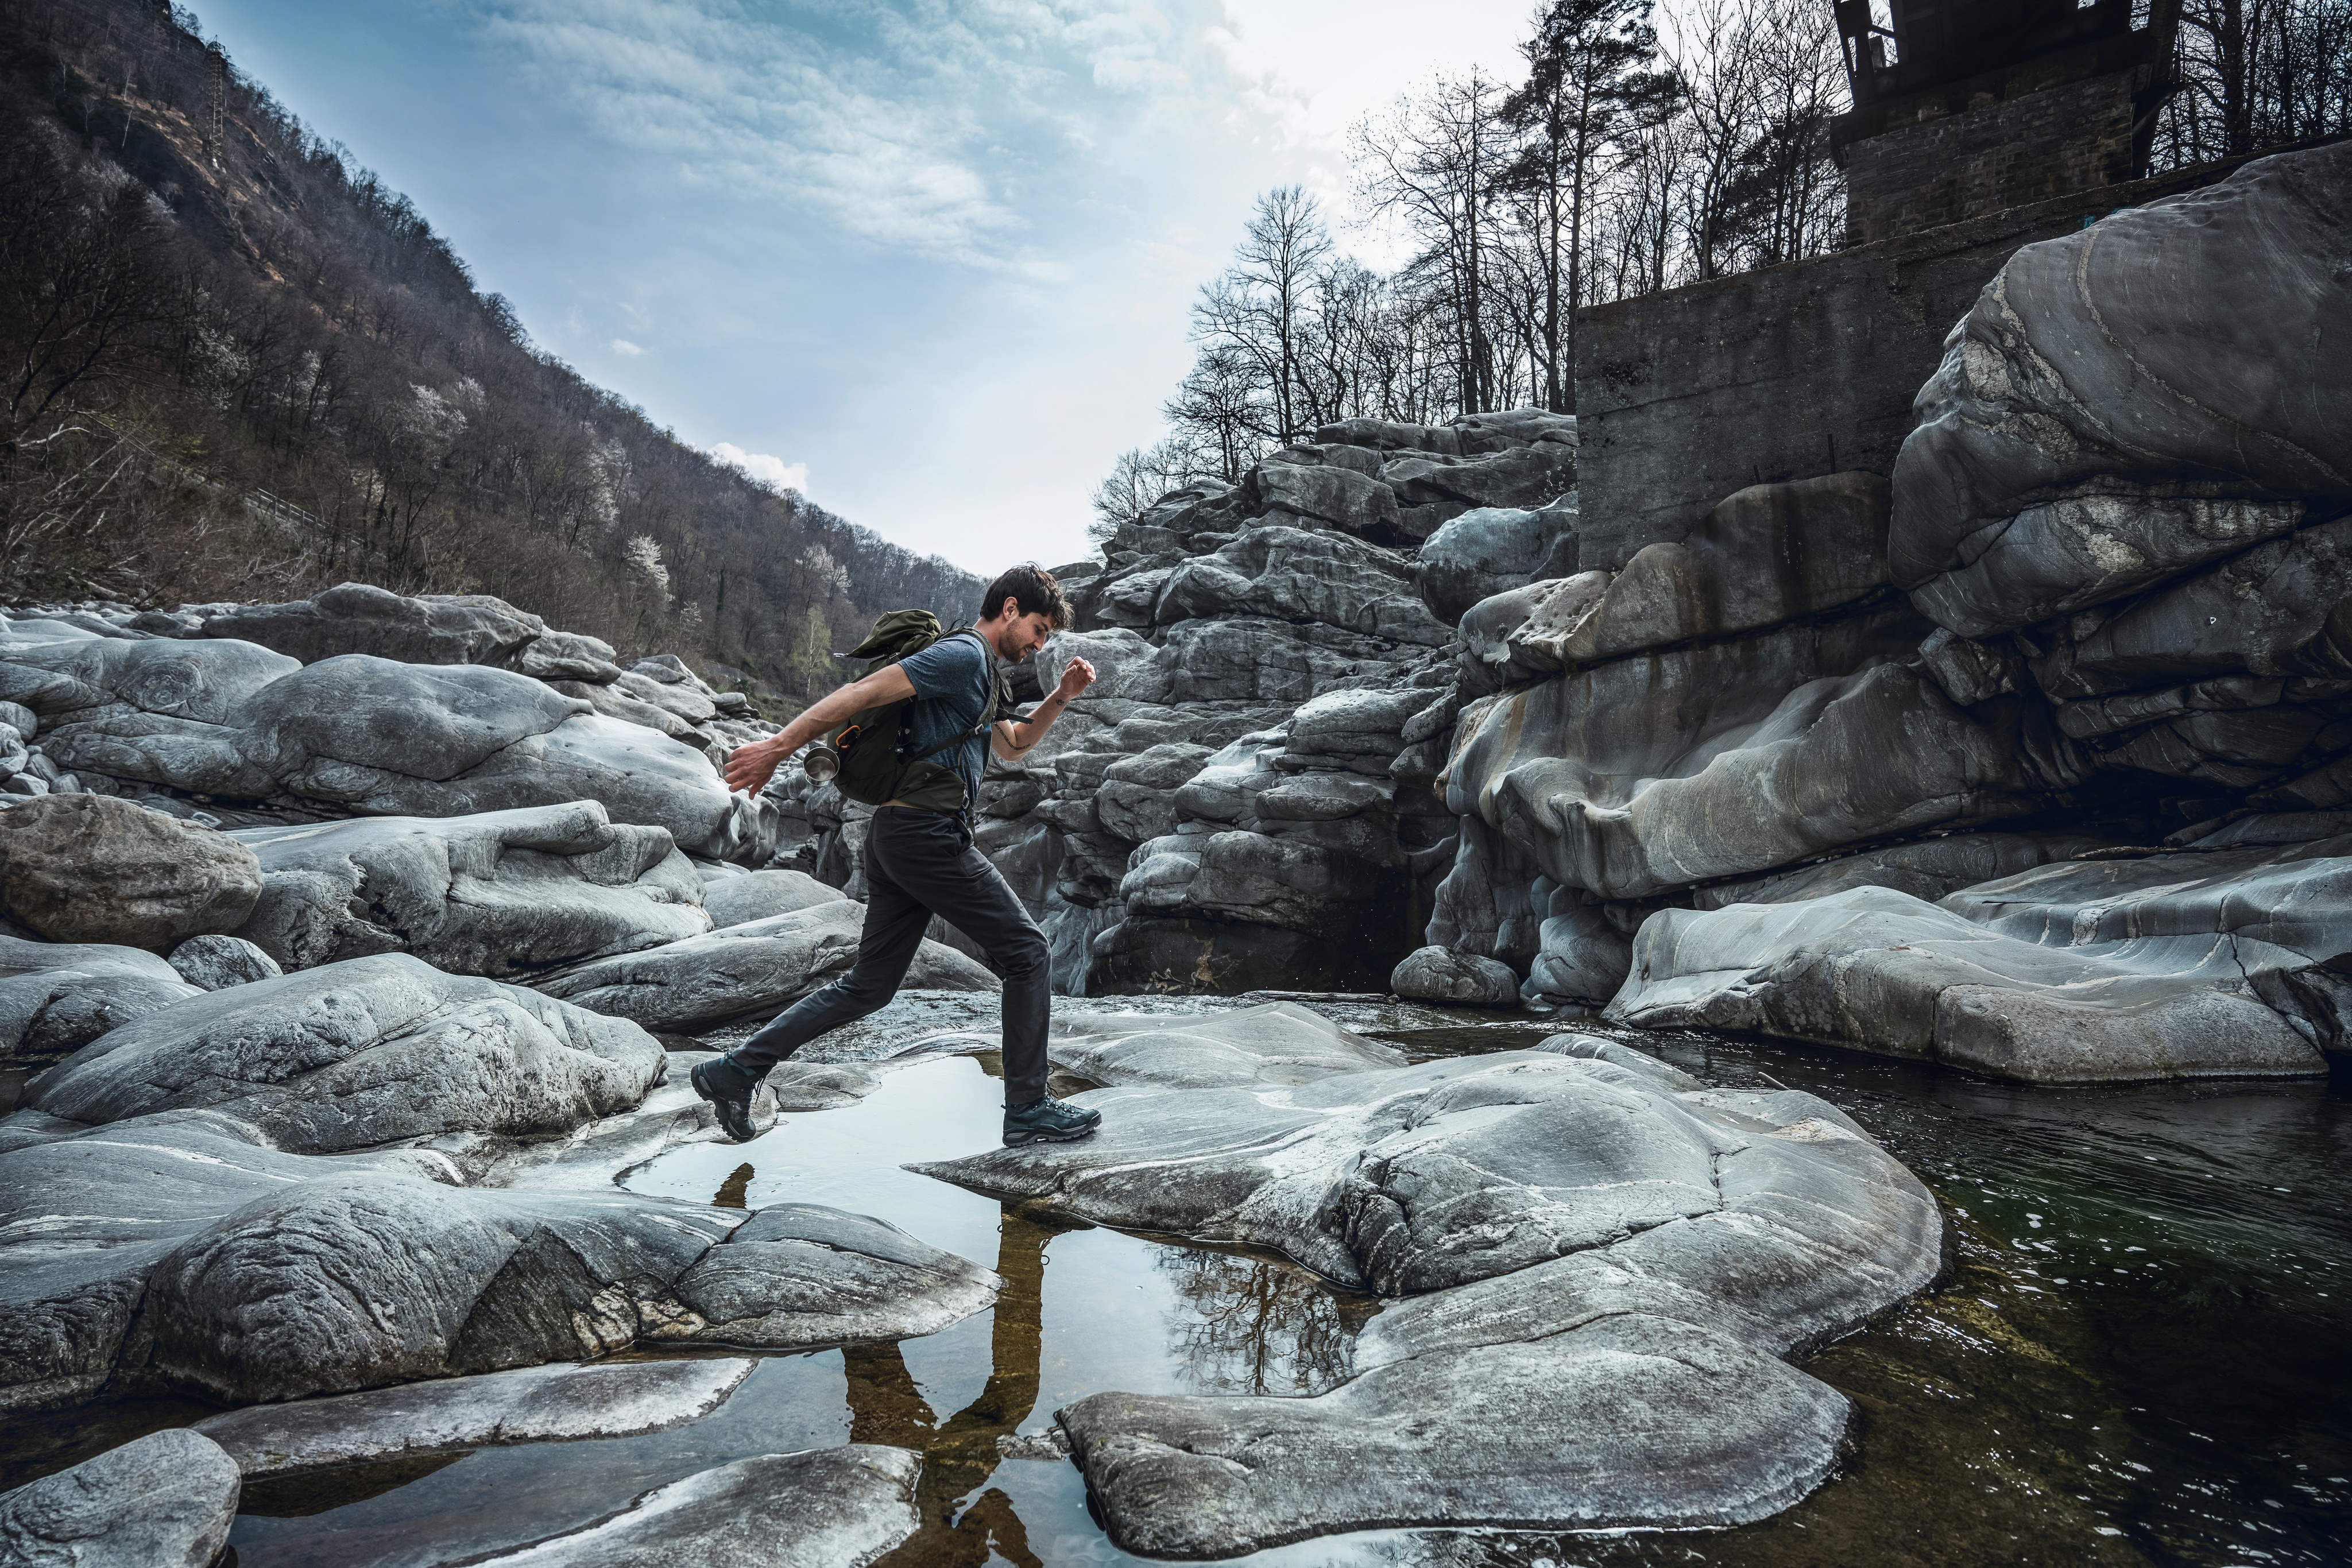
1014,738
748,767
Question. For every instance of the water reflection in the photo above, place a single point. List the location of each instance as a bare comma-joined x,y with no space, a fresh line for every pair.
1257,1325
961,1453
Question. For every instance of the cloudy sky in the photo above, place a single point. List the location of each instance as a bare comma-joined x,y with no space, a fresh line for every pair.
926,260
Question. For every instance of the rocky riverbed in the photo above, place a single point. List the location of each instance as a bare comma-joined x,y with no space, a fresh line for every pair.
1422,889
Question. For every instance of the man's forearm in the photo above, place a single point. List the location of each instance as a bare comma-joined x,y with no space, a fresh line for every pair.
1031,730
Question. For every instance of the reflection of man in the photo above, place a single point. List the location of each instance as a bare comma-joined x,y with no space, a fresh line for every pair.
884,1406
920,861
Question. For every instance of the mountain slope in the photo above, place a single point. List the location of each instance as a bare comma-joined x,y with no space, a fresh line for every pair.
238,366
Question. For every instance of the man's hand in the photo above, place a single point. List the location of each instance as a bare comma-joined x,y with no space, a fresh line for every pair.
1076,676
748,767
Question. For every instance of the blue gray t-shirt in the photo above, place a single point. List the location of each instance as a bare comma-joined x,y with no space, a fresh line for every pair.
954,679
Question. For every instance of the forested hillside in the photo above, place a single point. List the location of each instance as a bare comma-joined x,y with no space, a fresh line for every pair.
239,367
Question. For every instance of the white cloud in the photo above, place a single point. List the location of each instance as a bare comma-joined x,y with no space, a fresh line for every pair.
760,465
626,349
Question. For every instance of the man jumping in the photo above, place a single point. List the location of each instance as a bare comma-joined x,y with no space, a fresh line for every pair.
920,861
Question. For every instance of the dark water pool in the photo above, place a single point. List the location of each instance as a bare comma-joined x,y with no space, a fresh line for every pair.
2138,1355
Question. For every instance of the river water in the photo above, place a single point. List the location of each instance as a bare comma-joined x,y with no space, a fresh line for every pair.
2139,1354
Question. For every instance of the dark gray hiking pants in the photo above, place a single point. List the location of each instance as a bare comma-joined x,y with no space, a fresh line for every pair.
920,864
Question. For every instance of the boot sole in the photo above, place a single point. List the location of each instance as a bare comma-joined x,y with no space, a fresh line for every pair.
1021,1140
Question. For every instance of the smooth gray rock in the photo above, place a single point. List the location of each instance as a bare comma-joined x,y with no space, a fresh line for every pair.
498,893
1582,958
164,1500
92,869
796,1276
1136,799
1270,1044
1927,869
746,971
1626,1422
1324,495
161,712
825,1508
57,996
1478,554
85,1215
1397,1180
2064,554
362,1052
1251,878
217,963
1290,574
2195,338
756,895
1768,554
557,1402
262,1303
2172,987
357,618
1465,979
1644,774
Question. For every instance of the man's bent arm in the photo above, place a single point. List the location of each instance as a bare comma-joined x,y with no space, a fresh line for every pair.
748,767
1014,738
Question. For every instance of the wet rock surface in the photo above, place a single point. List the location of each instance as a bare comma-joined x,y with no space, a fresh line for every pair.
164,1500
813,1509
1599,1262
557,1402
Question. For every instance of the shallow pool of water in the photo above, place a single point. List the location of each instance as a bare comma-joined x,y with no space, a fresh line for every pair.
2137,1355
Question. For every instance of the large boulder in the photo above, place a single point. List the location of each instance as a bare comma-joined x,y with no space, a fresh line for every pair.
217,963
747,971
1626,1422
1484,552
357,618
2198,337
1644,774
1273,1043
857,1280
362,1052
1464,979
757,895
2174,987
156,712
498,893
55,998
1768,554
89,868
85,1216
164,1500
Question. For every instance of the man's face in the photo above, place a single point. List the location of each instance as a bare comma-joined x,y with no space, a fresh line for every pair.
1023,635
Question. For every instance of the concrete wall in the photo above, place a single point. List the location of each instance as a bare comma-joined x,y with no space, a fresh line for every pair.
1788,373
1933,173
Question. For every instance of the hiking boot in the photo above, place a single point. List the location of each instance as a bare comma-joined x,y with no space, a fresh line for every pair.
734,1105
1047,1121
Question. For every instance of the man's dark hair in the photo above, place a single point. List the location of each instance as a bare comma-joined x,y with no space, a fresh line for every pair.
1033,588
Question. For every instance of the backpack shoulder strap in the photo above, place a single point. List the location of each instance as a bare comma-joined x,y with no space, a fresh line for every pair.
988,709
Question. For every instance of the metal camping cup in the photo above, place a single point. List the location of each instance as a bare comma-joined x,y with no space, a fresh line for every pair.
820,762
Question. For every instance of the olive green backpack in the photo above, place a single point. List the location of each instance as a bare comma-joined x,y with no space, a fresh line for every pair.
876,767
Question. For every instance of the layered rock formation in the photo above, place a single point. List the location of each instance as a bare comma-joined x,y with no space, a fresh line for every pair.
1244,798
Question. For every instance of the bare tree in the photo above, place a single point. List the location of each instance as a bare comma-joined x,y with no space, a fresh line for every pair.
1437,162
1590,85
